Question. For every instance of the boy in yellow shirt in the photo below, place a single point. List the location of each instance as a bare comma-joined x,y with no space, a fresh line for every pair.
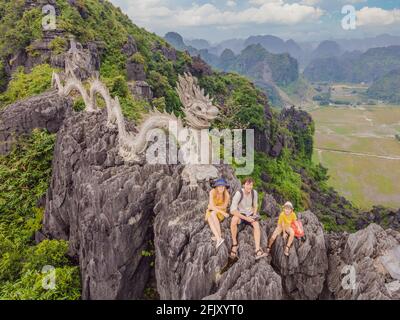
286,218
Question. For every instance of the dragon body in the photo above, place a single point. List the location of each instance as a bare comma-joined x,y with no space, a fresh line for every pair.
198,109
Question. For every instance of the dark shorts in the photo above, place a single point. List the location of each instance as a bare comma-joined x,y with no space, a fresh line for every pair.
244,223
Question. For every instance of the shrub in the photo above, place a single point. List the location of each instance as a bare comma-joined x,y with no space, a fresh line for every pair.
24,85
24,179
58,45
30,286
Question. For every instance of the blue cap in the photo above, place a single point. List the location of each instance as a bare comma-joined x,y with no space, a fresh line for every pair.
221,183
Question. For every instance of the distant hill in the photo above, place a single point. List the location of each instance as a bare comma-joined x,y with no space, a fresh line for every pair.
327,49
384,40
198,43
276,45
266,69
355,67
258,63
175,40
304,52
386,88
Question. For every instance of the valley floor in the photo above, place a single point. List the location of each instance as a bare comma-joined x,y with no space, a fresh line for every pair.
359,148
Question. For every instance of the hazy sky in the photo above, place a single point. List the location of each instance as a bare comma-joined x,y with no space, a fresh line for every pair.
302,20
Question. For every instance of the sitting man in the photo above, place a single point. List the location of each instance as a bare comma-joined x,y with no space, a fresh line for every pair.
244,210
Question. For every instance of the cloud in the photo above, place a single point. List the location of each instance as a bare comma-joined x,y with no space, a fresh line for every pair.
353,1
157,14
310,2
377,17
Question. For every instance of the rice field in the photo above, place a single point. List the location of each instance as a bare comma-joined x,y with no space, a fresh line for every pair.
359,148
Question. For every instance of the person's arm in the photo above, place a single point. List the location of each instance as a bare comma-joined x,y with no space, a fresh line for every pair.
236,213
255,204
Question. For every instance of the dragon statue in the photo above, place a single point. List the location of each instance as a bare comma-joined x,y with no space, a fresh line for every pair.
198,109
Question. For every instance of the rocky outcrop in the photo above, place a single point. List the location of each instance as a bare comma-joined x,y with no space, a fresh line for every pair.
380,215
135,71
111,211
199,68
301,126
41,52
270,207
187,264
130,47
303,272
86,59
141,90
166,50
46,111
364,265
105,208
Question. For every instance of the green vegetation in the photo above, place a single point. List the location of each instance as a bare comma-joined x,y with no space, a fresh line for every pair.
364,180
386,88
58,45
24,179
108,25
241,103
25,173
24,85
18,27
283,181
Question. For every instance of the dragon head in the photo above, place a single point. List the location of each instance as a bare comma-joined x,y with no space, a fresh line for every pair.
198,108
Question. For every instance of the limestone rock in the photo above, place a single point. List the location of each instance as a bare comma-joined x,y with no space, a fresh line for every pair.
270,206
103,207
168,52
361,265
47,111
106,208
135,71
303,272
130,47
88,59
188,265
141,90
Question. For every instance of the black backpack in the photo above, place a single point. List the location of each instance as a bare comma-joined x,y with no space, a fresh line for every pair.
252,196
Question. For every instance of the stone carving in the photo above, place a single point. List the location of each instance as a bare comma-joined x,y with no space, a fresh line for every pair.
198,109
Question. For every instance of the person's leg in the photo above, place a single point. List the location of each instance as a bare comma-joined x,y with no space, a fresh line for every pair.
257,234
213,227
234,230
257,239
217,223
291,237
275,234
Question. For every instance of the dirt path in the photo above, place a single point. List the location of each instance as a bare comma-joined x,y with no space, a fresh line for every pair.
358,154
